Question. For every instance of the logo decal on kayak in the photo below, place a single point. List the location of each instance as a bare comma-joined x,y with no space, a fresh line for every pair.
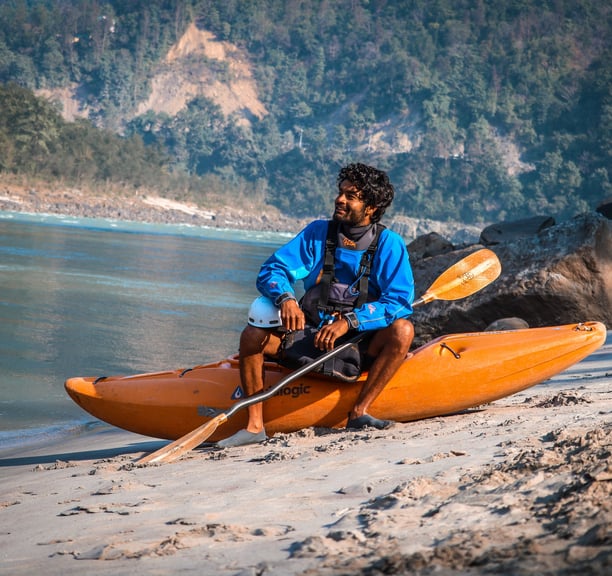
294,391
238,393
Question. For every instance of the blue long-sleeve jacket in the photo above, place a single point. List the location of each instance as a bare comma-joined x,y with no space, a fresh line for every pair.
391,284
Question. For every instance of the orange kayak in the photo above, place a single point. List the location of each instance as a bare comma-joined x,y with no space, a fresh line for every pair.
446,375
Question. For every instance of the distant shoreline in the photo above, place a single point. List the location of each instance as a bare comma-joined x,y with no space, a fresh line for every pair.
146,209
157,210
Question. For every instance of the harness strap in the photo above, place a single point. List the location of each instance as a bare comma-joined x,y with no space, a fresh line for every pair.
331,242
327,277
366,265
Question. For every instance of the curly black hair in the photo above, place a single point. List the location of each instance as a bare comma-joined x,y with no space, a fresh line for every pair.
374,184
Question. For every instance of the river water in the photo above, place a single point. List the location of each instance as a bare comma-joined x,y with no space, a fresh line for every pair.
87,297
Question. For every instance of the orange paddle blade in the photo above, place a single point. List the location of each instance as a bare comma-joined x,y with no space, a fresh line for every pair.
176,449
464,278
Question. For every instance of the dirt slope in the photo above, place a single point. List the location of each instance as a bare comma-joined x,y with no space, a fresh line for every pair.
197,65
191,69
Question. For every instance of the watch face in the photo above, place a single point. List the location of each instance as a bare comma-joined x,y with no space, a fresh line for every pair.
351,318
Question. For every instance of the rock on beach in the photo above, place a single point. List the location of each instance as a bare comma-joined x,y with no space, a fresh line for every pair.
561,274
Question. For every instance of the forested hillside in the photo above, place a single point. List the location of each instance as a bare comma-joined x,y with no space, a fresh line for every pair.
479,109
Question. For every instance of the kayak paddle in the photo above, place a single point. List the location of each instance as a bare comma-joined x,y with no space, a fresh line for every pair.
462,279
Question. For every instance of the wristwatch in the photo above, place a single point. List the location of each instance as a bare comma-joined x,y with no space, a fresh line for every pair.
351,319
283,298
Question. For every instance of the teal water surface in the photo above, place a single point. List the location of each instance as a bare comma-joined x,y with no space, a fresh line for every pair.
83,297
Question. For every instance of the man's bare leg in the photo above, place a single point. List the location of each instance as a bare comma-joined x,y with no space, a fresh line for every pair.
255,343
389,348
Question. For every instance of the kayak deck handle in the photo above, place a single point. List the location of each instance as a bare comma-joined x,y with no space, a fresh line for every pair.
447,347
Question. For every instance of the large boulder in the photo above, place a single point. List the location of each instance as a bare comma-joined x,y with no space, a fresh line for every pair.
514,230
428,245
560,275
605,208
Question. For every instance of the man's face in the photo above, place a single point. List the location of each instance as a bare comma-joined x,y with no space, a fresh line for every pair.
350,207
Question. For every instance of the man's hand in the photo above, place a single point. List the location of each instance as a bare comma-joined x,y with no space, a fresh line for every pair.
326,337
292,316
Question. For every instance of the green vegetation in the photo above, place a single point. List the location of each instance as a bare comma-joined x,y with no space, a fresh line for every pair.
458,87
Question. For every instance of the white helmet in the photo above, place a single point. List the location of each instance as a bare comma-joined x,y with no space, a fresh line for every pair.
264,314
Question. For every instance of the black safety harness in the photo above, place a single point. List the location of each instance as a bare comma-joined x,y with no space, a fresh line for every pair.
327,277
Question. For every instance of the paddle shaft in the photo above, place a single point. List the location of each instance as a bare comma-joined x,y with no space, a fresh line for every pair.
456,282
194,438
267,394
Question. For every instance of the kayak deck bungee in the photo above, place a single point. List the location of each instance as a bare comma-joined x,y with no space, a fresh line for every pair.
448,374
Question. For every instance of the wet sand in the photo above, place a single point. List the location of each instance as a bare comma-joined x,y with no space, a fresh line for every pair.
520,486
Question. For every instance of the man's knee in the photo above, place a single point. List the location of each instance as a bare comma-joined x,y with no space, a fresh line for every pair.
395,338
255,340
401,333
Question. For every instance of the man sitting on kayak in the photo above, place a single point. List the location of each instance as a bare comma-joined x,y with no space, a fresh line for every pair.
364,193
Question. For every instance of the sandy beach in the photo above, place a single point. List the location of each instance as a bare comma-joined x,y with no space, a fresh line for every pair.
520,486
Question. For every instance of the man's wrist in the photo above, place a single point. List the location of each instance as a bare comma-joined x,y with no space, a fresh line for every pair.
351,319
284,297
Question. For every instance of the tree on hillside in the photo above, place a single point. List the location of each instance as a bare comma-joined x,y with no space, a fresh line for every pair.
451,80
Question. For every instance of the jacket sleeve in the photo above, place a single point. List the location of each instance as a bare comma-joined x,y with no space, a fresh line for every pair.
391,285
292,262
